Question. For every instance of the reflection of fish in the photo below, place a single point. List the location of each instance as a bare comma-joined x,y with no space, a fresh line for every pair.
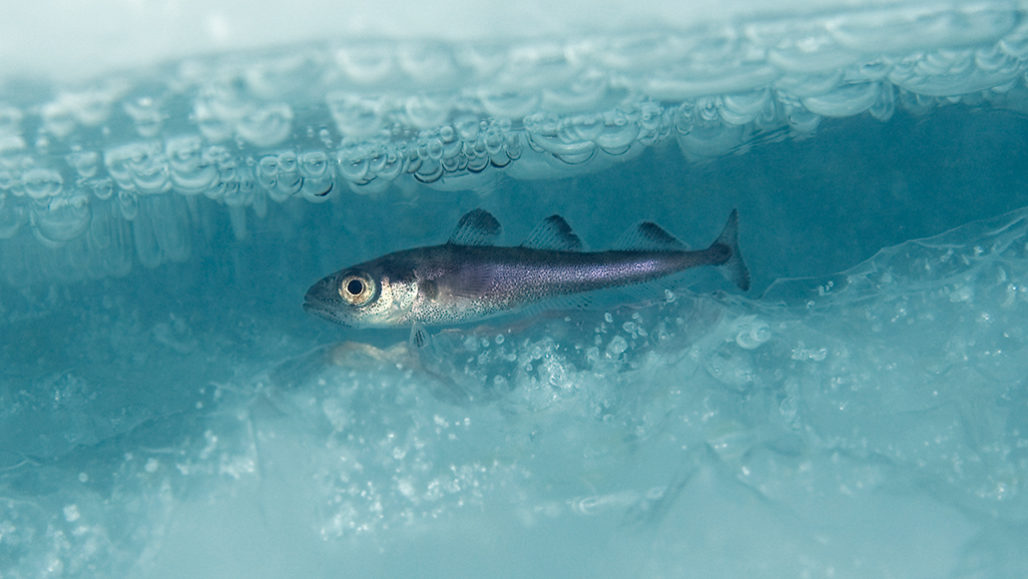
468,278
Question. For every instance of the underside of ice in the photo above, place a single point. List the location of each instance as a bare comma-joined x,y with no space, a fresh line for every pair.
98,176
167,409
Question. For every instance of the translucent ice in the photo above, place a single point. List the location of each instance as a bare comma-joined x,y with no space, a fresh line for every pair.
322,121
187,418
856,425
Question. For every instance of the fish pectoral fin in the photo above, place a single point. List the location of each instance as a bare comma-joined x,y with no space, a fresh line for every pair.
470,282
553,233
476,227
649,236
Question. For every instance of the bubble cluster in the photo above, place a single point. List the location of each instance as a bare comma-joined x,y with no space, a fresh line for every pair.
322,122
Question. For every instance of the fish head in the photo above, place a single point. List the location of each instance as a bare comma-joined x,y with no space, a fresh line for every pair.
363,296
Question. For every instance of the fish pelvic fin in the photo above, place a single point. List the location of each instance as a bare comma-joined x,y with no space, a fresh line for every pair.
419,337
734,269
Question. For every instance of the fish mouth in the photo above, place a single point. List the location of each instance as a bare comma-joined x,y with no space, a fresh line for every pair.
315,303
318,301
323,311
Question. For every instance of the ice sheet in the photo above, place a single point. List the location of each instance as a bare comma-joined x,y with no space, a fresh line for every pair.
870,423
118,169
167,409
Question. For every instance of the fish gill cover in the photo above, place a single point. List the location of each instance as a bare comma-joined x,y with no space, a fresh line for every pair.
166,408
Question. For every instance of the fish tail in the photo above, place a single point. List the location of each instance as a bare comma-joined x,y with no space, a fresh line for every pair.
734,269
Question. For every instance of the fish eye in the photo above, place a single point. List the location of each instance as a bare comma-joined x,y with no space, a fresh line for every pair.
357,289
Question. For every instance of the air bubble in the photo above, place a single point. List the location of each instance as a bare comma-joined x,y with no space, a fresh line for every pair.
266,126
71,513
85,163
425,112
289,181
146,114
191,172
617,140
367,64
617,346
729,369
510,105
61,219
314,164
211,125
752,334
388,163
432,148
122,161
477,161
42,183
58,119
150,174
355,117
354,166
468,128
429,172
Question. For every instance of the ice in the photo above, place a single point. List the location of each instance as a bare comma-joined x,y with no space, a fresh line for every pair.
872,423
167,409
377,116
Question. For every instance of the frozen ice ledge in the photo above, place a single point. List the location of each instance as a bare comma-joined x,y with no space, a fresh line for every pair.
98,175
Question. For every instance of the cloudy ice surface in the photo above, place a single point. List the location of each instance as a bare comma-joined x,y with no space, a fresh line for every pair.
167,409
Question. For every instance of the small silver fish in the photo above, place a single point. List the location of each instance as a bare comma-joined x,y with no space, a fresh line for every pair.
468,278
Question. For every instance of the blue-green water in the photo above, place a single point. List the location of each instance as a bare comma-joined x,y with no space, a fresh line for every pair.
167,409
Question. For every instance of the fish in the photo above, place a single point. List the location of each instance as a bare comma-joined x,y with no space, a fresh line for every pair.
469,278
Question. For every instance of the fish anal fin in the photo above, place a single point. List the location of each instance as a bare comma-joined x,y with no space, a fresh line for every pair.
553,233
650,236
476,227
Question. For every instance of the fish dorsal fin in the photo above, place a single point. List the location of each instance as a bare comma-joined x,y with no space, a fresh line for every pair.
650,236
553,233
476,227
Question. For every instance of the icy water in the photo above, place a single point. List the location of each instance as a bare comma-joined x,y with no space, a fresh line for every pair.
167,409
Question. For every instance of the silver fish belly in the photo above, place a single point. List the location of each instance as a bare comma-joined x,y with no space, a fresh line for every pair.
468,278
